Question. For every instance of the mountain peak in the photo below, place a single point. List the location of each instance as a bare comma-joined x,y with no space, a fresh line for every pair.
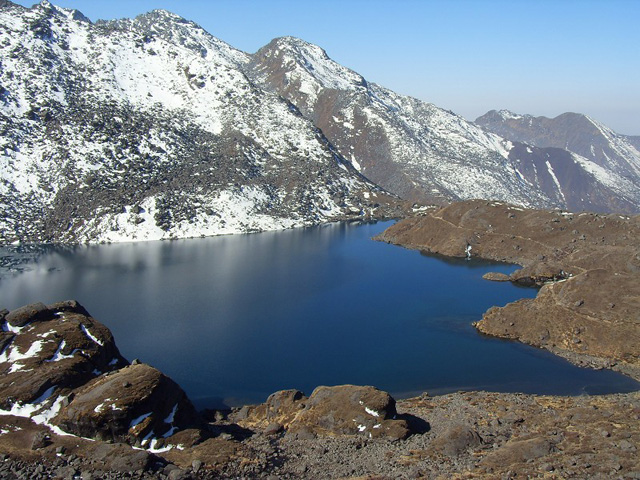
299,46
307,66
161,14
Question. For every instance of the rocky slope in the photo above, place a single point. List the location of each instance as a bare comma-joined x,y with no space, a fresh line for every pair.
149,128
409,147
586,264
577,148
427,154
87,412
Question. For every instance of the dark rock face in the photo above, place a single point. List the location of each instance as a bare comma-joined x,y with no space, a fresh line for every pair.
132,404
52,349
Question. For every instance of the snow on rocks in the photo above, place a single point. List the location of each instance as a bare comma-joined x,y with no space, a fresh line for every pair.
50,374
338,410
51,349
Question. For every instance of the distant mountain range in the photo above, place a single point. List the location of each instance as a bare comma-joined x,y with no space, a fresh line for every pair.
152,128
579,150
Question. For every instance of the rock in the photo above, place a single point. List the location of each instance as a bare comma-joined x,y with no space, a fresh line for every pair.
153,406
66,473
273,429
520,451
121,458
60,351
456,439
627,446
29,313
350,410
179,474
282,406
496,277
40,440
196,465
188,437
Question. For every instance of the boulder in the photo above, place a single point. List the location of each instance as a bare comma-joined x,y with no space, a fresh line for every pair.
496,277
22,316
52,348
121,458
518,451
456,439
136,404
280,408
349,410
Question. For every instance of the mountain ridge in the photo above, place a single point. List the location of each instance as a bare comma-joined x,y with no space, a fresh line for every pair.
119,134
152,128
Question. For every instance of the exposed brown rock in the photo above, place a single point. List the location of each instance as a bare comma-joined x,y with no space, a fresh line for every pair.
134,404
350,410
588,265
329,411
496,277
27,314
54,348
120,457
456,439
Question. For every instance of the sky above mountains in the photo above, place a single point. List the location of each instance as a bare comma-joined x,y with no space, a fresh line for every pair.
470,56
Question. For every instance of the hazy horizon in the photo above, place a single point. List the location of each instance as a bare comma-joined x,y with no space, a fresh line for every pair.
541,58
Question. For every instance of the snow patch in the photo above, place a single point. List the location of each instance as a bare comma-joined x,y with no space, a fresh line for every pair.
58,356
371,412
90,336
555,180
139,420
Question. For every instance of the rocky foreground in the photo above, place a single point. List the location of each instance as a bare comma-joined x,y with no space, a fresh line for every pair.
72,407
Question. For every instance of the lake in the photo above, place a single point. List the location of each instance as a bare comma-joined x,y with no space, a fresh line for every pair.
235,318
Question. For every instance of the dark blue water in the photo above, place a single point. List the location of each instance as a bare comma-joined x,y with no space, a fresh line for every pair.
235,318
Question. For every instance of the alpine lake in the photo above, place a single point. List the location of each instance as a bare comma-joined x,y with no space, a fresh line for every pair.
235,318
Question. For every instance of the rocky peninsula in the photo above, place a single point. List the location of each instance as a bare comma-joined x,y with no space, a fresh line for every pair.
587,266
72,407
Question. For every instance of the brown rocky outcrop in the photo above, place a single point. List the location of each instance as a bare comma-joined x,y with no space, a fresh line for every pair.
59,352
350,410
588,267
55,348
135,404
330,411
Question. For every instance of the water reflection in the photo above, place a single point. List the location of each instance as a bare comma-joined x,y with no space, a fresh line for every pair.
234,318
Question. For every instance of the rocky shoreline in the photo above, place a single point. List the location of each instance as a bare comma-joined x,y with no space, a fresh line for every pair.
72,407
587,266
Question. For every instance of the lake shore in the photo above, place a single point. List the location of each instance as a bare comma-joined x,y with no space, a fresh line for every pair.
95,415
587,265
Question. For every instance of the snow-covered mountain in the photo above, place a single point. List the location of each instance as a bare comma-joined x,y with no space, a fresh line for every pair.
152,128
424,153
412,148
593,164
149,128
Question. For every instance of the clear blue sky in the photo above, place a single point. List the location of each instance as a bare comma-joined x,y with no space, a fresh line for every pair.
542,57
